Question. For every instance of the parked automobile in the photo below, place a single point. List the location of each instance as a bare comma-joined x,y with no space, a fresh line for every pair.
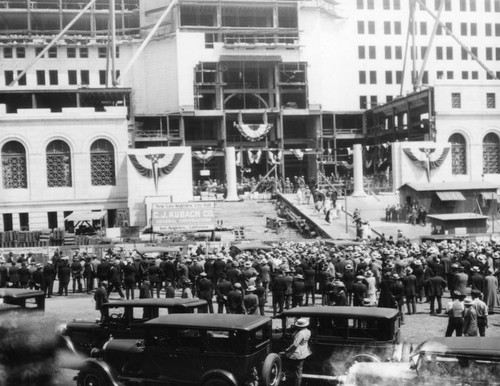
126,320
470,361
20,299
209,350
341,336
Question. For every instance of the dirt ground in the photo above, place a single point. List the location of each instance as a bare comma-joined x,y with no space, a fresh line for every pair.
416,328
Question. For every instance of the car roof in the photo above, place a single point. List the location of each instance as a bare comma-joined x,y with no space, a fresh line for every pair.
158,302
252,246
19,293
355,312
470,346
211,321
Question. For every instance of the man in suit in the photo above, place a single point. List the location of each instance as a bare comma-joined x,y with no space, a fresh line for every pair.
410,290
436,286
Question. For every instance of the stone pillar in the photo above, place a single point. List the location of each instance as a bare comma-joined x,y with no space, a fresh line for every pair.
232,193
358,171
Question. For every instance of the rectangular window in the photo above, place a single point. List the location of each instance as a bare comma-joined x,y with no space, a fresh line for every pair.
53,52
489,53
447,5
399,77
389,98
456,100
449,74
463,5
449,53
53,77
370,4
72,77
117,52
21,52
497,29
360,4
497,53
465,75
436,4
363,102
40,77
474,75
361,27
102,77
373,77
52,220
388,52
362,77
439,75
22,80
490,101
84,77
372,52
449,26
497,5
71,52
24,221
371,27
488,29
8,53
398,53
387,4
388,77
423,28
474,51
439,53
38,50
84,52
387,27
9,77
465,55
487,5
361,52
463,29
397,28
373,101
397,4
472,5
423,51
473,29
102,52
7,222
425,78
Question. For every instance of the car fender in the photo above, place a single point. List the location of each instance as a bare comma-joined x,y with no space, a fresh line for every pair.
110,372
64,342
217,373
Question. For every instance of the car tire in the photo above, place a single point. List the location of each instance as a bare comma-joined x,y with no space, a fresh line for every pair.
216,382
360,358
91,376
271,370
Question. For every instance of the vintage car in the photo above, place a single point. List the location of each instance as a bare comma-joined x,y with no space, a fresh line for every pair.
126,320
209,350
341,336
438,361
19,299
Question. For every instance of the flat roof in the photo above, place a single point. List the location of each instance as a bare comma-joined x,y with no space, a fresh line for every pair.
354,312
157,302
211,321
457,216
473,346
444,186
19,293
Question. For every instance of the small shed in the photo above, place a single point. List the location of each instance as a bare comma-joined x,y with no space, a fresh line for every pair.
458,223
452,197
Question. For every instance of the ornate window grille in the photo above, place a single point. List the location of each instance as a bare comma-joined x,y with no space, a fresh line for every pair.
102,163
491,154
58,164
458,154
14,171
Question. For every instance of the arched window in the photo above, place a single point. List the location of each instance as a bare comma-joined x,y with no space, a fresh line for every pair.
458,154
102,163
58,164
14,171
491,154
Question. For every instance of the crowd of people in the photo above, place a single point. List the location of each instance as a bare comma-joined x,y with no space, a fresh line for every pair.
414,214
385,273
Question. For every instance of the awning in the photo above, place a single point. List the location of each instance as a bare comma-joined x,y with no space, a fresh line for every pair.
85,216
450,196
250,58
489,195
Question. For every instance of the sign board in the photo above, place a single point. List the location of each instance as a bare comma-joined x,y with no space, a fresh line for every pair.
185,216
205,173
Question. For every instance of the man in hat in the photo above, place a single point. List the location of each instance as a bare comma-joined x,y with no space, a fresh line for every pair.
187,292
63,274
76,273
299,350
235,300
481,311
359,289
310,283
455,310
436,289
129,278
410,291
14,274
278,288
37,277
470,318
24,275
251,301
298,290
205,290
101,297
4,273
476,279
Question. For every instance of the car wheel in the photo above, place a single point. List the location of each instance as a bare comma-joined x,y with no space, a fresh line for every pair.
271,370
93,377
216,382
360,358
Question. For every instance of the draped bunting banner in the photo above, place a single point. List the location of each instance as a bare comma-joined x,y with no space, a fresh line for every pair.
239,159
274,157
204,155
155,165
347,165
254,158
298,153
426,163
253,132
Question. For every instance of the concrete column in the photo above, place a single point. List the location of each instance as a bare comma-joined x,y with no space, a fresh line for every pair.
232,193
358,171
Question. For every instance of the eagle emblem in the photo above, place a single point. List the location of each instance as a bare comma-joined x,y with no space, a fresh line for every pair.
427,163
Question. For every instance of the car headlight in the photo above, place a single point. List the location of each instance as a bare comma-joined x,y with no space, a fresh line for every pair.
96,353
63,329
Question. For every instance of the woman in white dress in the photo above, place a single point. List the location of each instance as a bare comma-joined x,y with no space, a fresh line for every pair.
371,292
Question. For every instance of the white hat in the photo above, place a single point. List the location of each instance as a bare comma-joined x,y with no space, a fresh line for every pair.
302,323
